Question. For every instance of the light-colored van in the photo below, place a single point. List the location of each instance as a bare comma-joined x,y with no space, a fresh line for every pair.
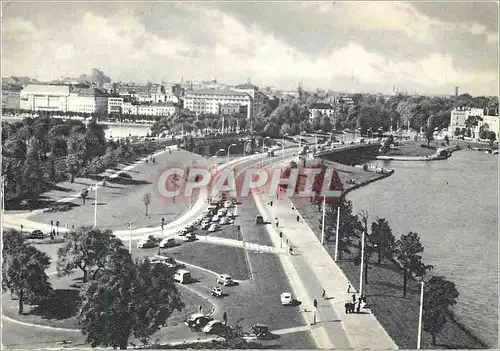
182,276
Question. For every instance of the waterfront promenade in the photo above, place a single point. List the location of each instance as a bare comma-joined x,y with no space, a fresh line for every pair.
311,264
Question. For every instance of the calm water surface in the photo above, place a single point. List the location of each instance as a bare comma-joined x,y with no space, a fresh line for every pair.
453,206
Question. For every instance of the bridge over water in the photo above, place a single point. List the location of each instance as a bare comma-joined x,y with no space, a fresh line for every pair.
350,153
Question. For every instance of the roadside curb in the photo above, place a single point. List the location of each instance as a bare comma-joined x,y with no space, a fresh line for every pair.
40,326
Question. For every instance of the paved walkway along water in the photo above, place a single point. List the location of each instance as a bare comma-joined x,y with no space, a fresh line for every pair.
310,270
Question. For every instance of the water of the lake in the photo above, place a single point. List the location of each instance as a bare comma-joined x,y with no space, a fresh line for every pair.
453,206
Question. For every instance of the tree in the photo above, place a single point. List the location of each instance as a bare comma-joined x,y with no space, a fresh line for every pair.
154,280
491,136
73,165
84,194
407,251
326,124
349,224
85,248
118,302
429,134
439,295
382,237
23,271
147,200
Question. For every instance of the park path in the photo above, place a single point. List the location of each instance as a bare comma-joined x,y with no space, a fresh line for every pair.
311,269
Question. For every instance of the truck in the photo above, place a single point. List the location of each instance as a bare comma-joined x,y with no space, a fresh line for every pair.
182,276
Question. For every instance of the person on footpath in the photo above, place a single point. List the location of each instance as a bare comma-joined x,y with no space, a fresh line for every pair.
359,307
298,219
323,294
354,298
347,306
349,287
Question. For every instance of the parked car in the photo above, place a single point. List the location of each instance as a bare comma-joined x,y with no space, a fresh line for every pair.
148,242
228,204
182,276
205,225
213,227
217,291
286,299
221,212
197,321
190,237
215,219
225,279
167,242
261,331
36,234
224,220
259,220
214,327
184,231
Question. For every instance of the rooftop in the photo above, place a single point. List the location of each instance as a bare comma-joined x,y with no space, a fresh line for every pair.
320,106
215,92
46,89
89,92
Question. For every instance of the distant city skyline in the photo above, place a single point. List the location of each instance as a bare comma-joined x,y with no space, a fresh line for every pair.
428,48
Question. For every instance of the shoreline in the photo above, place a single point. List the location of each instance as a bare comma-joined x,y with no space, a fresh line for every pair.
454,321
440,154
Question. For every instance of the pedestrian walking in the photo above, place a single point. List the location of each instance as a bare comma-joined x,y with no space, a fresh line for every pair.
351,307
271,203
349,287
354,298
347,306
298,219
359,307
200,309
323,295
290,250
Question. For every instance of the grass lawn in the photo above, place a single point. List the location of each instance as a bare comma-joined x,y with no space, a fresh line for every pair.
61,311
217,258
398,315
121,201
413,148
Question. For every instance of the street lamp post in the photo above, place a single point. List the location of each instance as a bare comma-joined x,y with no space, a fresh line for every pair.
362,264
420,315
130,237
229,149
337,234
323,221
95,207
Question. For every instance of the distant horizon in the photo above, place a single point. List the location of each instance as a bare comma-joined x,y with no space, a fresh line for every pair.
274,88
421,47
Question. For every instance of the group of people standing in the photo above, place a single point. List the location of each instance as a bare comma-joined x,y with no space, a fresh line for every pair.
355,307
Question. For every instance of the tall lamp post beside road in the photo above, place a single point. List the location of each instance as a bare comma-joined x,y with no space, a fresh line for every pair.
229,149
362,264
337,234
421,309
130,238
95,207
323,221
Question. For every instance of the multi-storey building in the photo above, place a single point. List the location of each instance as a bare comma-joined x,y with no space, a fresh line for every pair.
88,100
158,109
319,109
460,115
260,101
115,105
36,97
11,96
210,100
491,123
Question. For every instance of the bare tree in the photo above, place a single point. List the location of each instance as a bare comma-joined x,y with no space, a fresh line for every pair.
147,200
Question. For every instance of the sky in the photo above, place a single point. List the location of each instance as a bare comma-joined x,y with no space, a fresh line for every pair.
423,47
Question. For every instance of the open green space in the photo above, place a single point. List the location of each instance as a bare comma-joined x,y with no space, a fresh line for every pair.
122,200
61,310
398,315
217,258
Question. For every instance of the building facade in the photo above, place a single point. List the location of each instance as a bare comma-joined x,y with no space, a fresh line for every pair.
260,101
491,123
88,100
321,109
35,97
11,96
460,115
115,105
209,101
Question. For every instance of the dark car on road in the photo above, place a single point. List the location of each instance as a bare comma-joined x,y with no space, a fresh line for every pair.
36,234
